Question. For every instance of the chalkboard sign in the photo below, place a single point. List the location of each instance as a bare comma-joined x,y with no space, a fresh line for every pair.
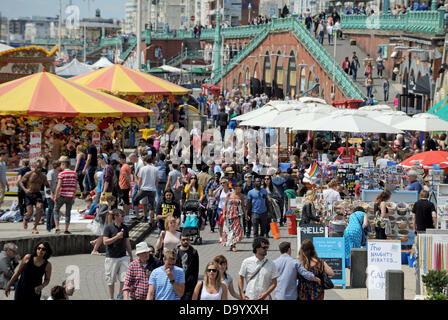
310,231
336,265
332,251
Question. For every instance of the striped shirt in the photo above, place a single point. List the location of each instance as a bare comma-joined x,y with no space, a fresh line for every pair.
69,183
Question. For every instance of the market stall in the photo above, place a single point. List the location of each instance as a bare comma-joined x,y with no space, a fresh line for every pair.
137,87
44,115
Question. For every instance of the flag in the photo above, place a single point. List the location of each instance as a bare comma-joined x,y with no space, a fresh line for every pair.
339,161
314,169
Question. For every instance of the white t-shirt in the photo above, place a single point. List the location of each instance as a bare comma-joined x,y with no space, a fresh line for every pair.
148,174
261,282
330,196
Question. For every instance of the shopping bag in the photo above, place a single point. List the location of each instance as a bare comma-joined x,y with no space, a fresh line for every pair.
275,230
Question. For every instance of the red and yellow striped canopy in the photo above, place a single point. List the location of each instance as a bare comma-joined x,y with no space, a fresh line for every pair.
47,95
118,79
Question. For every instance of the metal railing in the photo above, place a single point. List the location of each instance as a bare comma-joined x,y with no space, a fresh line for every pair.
429,22
196,54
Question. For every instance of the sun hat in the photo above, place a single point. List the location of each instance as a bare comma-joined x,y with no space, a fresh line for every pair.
229,170
141,247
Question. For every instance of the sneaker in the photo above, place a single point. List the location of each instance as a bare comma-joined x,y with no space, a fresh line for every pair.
25,224
35,231
67,232
119,296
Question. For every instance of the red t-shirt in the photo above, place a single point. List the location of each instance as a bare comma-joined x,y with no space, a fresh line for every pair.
69,183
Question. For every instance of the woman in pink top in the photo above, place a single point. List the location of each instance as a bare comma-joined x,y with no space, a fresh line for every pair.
169,239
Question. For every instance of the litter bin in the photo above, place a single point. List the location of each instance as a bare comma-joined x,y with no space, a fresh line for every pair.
292,224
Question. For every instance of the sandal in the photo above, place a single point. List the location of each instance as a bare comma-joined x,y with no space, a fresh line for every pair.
95,253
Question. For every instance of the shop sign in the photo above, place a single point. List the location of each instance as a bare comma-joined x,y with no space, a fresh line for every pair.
381,256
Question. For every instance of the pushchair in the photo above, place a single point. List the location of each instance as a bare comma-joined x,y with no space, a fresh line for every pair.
192,220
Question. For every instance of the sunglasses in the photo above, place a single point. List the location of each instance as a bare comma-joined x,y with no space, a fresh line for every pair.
42,248
264,247
212,270
185,239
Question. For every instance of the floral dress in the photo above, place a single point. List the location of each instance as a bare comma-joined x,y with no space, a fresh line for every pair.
232,231
310,290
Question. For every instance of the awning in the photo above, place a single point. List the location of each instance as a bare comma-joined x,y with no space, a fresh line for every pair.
421,86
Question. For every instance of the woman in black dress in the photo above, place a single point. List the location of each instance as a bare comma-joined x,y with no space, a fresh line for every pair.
31,270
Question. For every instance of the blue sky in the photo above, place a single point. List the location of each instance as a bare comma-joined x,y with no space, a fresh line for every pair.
25,8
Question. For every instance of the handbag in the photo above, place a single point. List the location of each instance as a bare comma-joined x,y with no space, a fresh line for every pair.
365,235
325,280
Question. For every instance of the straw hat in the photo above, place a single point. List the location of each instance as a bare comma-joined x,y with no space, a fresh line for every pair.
229,170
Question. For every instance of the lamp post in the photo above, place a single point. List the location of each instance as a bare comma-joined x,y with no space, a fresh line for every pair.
249,6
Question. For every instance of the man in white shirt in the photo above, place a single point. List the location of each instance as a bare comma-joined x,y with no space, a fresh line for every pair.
246,106
147,184
259,272
331,195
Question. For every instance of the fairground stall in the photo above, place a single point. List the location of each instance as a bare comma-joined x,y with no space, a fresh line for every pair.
46,116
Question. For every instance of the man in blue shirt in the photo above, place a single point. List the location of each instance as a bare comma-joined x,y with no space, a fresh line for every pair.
168,281
258,208
288,269
413,185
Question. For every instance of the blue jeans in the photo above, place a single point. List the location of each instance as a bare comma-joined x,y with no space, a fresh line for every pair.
50,215
354,71
369,91
321,38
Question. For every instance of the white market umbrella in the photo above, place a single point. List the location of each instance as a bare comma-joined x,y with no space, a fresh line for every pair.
312,99
103,62
172,69
392,118
254,113
272,106
297,119
74,68
423,122
275,114
350,121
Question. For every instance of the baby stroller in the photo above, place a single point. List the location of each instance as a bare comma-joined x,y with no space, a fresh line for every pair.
192,220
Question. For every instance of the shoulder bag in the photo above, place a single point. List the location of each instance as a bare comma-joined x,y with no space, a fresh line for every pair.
365,231
325,280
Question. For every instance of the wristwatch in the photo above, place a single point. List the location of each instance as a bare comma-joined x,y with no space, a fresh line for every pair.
172,281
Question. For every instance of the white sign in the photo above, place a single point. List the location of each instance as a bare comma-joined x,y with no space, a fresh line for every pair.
96,140
382,255
35,145
72,20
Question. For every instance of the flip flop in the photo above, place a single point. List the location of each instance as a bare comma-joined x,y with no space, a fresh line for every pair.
95,253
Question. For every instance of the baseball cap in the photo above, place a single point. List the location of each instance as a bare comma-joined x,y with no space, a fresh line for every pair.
247,175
